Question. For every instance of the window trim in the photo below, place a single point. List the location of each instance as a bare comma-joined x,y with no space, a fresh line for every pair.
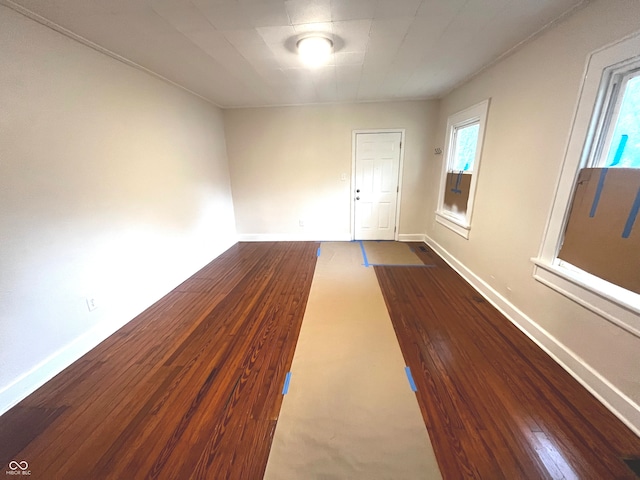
613,303
475,113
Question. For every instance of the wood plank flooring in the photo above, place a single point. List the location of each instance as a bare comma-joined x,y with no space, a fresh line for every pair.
192,387
189,389
496,406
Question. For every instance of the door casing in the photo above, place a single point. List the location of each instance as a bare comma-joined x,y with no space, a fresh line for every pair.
354,133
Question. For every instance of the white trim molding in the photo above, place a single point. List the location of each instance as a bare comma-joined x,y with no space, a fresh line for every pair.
354,134
292,237
30,381
98,48
623,407
461,224
621,308
411,237
615,304
454,224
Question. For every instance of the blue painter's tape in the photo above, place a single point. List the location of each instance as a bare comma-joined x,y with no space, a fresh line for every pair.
412,384
458,180
620,150
364,254
596,198
318,252
287,379
633,214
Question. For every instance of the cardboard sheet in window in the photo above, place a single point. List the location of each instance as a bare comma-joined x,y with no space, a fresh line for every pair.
598,222
456,195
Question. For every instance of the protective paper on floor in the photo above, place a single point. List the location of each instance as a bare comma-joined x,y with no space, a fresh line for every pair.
390,253
349,412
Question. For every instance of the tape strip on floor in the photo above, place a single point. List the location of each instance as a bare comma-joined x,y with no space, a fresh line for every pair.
349,413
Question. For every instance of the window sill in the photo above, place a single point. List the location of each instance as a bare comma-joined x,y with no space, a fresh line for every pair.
453,223
614,304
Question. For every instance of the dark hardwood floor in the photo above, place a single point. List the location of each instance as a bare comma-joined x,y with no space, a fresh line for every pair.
192,387
496,406
189,389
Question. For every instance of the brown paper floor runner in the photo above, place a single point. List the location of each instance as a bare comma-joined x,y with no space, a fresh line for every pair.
349,412
390,253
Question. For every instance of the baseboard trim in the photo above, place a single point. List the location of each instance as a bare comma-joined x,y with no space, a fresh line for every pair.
412,237
292,237
608,394
29,382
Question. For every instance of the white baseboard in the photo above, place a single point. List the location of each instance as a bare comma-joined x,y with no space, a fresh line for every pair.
292,237
55,363
608,394
412,237
304,237
30,381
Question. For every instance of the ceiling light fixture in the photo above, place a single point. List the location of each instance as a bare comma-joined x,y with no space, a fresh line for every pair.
314,50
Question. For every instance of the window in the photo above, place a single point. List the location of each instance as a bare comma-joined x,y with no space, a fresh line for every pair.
591,250
463,147
623,146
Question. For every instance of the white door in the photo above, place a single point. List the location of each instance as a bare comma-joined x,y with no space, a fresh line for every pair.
376,185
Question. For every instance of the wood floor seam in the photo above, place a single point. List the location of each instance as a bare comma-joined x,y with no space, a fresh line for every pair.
192,387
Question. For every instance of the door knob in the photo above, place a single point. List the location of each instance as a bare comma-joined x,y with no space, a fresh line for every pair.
357,198
358,191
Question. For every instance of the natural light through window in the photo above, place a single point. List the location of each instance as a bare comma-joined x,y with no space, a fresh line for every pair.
591,250
624,149
599,237
463,148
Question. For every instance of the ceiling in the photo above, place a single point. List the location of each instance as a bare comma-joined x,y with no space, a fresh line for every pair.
242,52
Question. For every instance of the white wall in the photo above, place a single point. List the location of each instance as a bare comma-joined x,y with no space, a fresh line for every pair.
113,185
286,165
533,95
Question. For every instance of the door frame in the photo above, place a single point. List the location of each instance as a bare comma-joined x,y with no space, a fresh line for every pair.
352,192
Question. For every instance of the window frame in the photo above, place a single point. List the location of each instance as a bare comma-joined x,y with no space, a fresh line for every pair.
617,78
588,138
475,114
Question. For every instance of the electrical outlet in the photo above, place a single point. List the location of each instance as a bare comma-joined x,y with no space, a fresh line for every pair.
343,177
91,304
301,223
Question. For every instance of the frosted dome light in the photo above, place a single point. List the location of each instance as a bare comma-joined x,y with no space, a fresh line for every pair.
315,51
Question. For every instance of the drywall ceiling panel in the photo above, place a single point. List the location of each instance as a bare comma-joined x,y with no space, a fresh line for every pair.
396,8
265,14
444,12
227,50
342,10
349,58
354,34
185,18
308,11
276,35
348,73
317,27
347,90
242,36
226,16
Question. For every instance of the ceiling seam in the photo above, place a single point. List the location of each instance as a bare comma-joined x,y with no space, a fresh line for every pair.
516,47
98,48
